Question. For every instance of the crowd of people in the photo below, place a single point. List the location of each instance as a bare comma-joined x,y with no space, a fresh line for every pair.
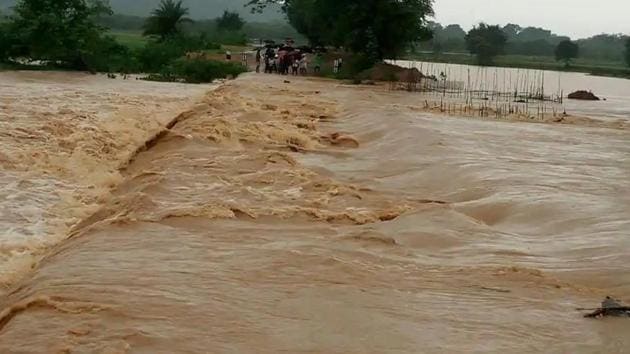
286,60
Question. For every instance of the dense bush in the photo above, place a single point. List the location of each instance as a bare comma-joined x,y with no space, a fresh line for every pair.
197,71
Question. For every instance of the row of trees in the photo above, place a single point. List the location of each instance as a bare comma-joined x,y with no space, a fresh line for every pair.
486,42
530,41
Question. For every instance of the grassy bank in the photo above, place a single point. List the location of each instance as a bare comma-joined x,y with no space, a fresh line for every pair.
600,68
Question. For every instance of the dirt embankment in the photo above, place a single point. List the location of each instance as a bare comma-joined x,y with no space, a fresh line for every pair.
583,95
389,72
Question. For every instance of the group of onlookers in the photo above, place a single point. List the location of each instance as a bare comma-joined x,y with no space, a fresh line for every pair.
286,60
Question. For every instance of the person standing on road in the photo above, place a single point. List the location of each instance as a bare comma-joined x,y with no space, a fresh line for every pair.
295,66
258,61
244,59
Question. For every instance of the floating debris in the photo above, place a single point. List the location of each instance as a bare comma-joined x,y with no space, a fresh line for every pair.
610,308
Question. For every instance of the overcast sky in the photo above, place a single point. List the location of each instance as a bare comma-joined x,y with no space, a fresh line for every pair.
575,18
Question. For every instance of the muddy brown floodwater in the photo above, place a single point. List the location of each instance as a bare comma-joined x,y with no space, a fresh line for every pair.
302,217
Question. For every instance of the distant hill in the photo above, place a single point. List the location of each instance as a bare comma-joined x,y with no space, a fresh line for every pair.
199,9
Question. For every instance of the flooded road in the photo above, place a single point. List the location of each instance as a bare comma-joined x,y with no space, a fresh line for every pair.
320,218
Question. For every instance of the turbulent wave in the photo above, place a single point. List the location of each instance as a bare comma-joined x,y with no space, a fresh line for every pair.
64,139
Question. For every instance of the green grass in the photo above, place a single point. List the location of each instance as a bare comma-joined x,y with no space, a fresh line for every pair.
132,40
589,66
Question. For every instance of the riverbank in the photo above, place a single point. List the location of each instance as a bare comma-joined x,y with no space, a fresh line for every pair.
527,62
310,215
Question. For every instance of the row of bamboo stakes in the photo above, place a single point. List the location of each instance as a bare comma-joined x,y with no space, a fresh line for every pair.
482,91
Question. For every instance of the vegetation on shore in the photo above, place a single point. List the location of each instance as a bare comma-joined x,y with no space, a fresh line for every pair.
529,41
66,35
529,47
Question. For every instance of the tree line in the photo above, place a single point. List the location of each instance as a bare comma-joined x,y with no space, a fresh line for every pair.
531,41
273,30
71,33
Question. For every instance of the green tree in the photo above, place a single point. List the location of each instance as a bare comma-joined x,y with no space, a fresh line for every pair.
59,31
486,42
230,21
512,30
627,52
567,50
376,29
166,20
446,39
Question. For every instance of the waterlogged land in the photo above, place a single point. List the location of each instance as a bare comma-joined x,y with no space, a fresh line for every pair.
307,217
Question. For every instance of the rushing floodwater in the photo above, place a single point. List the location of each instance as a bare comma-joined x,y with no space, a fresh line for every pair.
304,217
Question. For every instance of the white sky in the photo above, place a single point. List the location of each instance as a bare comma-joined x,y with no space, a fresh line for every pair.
574,18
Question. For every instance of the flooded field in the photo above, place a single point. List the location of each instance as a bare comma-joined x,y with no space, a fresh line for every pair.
614,92
307,217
